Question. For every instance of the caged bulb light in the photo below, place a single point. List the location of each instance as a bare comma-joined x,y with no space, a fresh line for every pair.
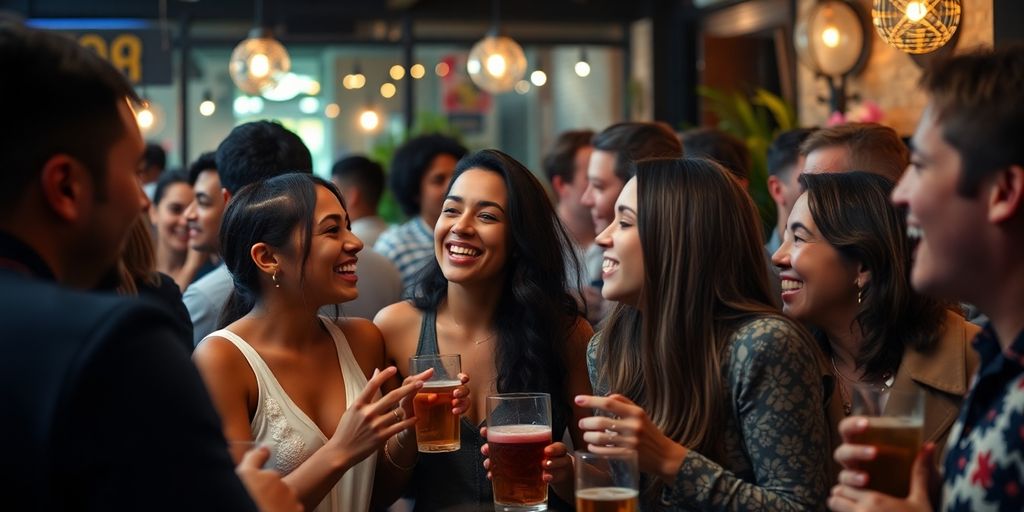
917,26
496,64
258,63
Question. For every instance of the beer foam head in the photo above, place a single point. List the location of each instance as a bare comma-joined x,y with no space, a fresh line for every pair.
519,434
607,493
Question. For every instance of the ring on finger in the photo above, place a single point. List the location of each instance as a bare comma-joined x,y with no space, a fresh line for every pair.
398,415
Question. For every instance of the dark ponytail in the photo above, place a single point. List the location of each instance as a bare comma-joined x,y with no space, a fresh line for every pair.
267,211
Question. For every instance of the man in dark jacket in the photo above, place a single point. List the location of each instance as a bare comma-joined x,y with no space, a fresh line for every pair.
101,408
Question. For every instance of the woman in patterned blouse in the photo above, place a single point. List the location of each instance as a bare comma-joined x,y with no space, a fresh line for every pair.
720,395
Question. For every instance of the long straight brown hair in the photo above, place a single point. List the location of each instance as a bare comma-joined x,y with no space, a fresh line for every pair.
704,275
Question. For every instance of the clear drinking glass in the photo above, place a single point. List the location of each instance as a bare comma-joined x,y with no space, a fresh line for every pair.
895,420
518,429
607,482
437,429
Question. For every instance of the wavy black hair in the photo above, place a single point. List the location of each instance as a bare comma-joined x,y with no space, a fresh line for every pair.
537,312
267,211
411,161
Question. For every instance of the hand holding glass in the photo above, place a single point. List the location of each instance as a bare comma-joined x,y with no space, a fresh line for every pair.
437,429
895,420
518,430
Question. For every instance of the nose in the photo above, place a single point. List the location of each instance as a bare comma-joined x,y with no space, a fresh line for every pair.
900,192
191,212
144,201
604,238
463,225
352,243
588,197
781,257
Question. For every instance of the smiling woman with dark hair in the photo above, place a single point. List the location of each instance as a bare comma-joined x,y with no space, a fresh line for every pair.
845,266
496,293
718,392
281,375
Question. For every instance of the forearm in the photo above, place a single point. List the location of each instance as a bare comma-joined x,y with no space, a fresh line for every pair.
702,484
394,469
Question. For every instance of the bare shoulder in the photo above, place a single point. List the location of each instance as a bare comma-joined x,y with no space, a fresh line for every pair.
366,342
398,316
399,324
219,356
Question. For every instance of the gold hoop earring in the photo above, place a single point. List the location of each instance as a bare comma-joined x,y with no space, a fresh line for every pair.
273,277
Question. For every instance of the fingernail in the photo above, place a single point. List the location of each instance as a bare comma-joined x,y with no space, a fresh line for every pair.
579,400
869,452
862,423
860,480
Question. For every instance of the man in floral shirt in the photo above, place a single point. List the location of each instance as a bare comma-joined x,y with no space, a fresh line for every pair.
964,192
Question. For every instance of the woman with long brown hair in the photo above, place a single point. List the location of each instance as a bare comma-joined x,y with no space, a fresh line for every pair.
720,394
845,266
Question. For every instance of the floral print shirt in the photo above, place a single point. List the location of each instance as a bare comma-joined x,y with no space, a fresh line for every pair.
984,465
775,441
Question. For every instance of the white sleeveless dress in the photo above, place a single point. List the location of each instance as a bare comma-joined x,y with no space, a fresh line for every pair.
292,435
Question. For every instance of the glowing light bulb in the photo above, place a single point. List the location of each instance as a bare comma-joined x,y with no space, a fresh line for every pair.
830,36
259,65
442,69
539,78
496,65
207,108
309,105
387,89
369,120
582,69
916,11
397,72
332,110
417,71
522,87
145,118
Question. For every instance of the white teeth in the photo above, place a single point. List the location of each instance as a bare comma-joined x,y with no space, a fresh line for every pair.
348,268
609,264
914,233
463,251
789,284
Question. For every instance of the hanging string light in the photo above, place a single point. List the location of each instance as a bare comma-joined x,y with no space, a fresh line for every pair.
259,62
916,26
496,62
582,66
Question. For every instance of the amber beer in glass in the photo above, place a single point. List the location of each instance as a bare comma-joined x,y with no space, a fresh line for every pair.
895,420
518,429
437,429
607,482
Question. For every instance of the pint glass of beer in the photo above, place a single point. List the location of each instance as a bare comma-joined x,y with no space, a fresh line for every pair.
518,429
895,420
437,429
607,482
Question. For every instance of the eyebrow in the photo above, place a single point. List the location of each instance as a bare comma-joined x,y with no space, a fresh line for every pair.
624,208
798,225
478,203
333,216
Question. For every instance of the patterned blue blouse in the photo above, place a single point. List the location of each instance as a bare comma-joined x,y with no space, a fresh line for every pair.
775,441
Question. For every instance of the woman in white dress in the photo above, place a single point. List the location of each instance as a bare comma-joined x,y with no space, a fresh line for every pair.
280,375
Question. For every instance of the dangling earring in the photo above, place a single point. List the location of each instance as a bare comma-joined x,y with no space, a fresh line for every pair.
278,285
860,295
